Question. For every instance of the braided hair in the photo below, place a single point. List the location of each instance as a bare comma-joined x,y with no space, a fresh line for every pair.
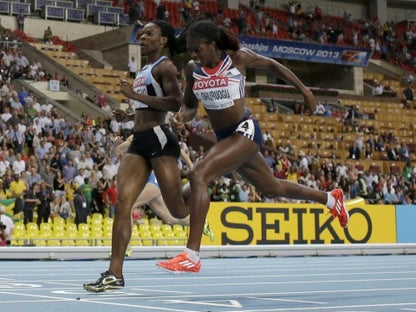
209,31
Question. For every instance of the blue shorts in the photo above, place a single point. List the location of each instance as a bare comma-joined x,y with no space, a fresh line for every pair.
152,179
248,127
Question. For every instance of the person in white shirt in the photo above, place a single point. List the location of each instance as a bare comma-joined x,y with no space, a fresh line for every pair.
6,115
37,126
4,165
85,165
320,109
7,233
22,60
36,104
46,107
79,178
19,164
379,89
110,167
133,67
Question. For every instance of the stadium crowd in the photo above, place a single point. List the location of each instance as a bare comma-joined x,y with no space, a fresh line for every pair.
54,166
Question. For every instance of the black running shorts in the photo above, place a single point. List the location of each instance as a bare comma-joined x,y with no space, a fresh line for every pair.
155,142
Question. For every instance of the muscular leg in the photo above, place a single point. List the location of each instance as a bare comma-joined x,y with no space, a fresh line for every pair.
168,176
257,172
224,157
132,176
237,153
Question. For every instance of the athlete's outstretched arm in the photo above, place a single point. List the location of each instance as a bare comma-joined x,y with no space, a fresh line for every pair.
248,58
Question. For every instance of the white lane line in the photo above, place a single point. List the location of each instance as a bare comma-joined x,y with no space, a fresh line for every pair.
288,300
151,308
321,308
250,277
31,301
234,269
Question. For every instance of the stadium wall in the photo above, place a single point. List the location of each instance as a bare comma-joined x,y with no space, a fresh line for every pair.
35,27
271,230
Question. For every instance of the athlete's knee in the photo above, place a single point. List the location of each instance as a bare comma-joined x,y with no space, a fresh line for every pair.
122,209
197,177
178,211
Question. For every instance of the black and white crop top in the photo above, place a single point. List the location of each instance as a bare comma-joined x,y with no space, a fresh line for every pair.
145,83
218,87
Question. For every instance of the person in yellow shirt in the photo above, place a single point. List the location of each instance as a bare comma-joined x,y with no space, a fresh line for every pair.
292,175
70,188
17,188
4,193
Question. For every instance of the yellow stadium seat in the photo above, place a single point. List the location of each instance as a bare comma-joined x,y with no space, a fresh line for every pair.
166,228
147,238
32,227
83,239
177,227
45,227
58,220
97,216
39,242
108,221
107,239
171,239
83,227
19,226
155,220
58,227
68,242
160,239
155,228
71,227
144,227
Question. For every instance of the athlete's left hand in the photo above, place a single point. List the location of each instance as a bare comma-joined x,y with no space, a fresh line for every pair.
310,101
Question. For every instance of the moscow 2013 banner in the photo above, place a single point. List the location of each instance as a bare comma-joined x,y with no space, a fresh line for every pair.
305,51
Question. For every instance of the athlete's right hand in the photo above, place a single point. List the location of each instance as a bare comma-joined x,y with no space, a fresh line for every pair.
177,119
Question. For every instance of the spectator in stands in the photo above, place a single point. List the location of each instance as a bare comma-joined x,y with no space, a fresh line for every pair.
20,21
268,138
379,89
134,12
47,35
408,93
235,129
392,153
404,152
133,67
320,109
352,116
354,152
81,207
45,196
7,227
31,200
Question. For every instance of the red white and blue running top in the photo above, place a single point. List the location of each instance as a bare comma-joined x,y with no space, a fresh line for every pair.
145,83
218,87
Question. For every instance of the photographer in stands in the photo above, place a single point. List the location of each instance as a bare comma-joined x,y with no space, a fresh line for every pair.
6,227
